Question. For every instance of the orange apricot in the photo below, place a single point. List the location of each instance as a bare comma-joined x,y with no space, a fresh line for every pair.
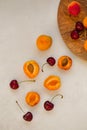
44,42
52,82
85,22
85,45
32,98
31,68
64,62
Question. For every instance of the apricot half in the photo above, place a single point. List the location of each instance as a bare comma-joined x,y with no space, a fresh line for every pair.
32,98
31,68
52,82
44,42
74,8
64,62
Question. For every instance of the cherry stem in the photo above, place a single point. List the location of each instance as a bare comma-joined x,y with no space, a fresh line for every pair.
43,67
56,96
20,107
27,81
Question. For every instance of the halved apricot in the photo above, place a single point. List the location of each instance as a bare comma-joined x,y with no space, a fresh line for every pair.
32,98
64,62
31,68
44,42
52,82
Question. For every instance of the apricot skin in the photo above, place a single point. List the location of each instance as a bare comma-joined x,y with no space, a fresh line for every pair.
43,42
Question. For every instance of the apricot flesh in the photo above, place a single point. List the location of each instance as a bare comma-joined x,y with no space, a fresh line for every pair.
52,82
64,62
32,98
31,68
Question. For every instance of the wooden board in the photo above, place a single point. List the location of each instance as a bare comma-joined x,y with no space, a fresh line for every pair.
66,24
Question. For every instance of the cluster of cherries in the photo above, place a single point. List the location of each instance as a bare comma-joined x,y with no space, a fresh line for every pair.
48,105
75,34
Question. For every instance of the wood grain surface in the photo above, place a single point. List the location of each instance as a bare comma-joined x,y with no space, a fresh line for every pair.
66,24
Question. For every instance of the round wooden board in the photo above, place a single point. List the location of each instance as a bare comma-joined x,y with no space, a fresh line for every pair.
66,24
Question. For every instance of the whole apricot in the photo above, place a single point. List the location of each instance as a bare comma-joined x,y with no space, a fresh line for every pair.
85,45
85,22
44,42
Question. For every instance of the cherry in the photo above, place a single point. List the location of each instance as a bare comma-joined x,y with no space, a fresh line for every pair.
14,84
50,60
74,34
48,105
79,26
27,116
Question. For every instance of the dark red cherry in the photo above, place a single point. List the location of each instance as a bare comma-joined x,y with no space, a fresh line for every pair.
74,34
28,116
48,105
51,61
14,84
79,26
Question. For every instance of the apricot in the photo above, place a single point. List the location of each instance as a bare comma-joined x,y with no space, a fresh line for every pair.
85,45
85,22
74,8
52,82
32,98
64,62
31,68
44,42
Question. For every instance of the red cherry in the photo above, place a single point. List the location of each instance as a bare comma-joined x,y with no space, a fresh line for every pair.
48,105
51,61
14,84
74,34
79,26
28,116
